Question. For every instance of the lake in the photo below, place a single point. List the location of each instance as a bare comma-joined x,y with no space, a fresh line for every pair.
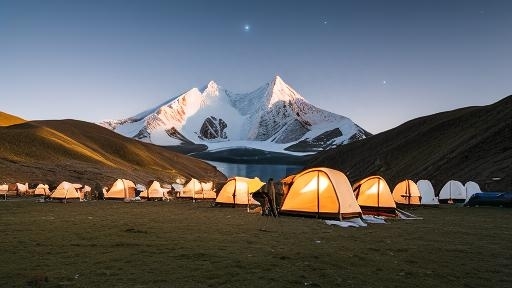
262,171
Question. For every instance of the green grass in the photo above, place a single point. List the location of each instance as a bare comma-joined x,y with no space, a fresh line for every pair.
184,244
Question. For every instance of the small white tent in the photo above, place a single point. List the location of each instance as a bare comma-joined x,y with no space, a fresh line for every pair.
471,188
428,196
452,192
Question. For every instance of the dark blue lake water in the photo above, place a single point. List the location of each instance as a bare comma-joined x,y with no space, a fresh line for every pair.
262,171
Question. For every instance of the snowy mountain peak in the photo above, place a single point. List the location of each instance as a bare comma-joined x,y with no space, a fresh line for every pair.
280,91
273,117
277,79
212,88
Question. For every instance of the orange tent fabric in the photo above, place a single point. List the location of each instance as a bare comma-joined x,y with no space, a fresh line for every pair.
238,190
374,196
407,192
321,192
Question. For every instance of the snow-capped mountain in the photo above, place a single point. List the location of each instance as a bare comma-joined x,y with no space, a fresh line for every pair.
273,117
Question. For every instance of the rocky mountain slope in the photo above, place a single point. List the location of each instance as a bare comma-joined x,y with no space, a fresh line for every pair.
52,151
473,143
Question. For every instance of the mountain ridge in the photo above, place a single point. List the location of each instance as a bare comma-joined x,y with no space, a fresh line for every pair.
73,150
271,115
466,144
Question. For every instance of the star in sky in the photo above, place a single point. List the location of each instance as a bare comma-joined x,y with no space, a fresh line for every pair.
247,28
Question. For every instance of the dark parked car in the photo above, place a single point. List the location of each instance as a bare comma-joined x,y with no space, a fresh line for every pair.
500,199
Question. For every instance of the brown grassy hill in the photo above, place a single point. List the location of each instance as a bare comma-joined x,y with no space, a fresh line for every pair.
82,152
8,119
473,143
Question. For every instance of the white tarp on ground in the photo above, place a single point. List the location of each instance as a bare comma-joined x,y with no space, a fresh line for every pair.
407,216
374,219
354,222
357,222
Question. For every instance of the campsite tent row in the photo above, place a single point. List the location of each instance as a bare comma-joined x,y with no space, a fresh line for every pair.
197,190
65,190
120,189
327,192
123,189
14,189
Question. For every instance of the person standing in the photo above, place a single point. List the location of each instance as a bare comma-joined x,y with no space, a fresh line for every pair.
271,191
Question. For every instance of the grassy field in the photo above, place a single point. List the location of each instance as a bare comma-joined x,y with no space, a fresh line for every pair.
184,244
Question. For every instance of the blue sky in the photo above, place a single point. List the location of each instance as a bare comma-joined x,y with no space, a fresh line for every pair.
381,63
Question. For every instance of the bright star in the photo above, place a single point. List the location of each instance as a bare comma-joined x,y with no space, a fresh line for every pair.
247,27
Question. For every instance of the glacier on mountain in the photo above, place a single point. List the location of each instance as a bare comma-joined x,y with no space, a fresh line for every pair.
273,117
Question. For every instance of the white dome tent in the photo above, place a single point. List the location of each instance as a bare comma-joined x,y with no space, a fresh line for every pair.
471,189
428,196
452,192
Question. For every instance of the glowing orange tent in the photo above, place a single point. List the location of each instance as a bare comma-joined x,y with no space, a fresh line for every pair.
121,189
207,191
66,191
42,190
238,190
374,196
192,187
407,192
155,191
321,192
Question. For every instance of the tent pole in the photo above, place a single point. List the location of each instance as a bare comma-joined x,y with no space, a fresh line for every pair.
124,189
409,190
194,192
378,192
318,195
450,190
234,195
